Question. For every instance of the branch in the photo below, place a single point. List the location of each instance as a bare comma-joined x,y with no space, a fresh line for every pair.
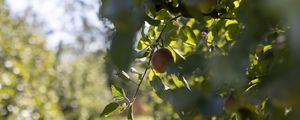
143,76
148,64
159,37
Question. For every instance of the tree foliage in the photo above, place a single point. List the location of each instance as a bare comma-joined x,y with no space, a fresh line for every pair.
234,59
36,84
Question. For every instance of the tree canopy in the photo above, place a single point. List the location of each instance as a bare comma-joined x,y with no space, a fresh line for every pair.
233,59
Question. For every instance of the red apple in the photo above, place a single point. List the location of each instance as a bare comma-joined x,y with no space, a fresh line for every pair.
161,59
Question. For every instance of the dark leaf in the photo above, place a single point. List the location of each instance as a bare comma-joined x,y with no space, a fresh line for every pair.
121,50
152,21
142,53
111,107
233,30
157,84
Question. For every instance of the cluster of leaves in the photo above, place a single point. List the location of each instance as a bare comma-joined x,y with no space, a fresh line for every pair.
229,62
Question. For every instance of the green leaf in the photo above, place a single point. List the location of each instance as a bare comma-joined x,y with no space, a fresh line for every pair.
118,94
178,57
163,14
111,107
143,43
210,38
232,31
193,62
130,113
152,21
157,84
142,53
170,33
175,3
187,35
230,22
149,8
177,82
121,49
267,47
151,32
151,74
254,81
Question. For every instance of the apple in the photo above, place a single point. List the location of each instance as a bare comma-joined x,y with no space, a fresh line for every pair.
207,6
161,59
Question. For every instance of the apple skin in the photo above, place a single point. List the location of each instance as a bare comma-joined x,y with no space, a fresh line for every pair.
161,59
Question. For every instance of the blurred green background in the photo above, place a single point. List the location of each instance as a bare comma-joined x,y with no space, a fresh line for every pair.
41,83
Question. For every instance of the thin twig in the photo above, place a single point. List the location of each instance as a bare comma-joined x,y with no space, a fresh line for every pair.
148,64
159,37
143,76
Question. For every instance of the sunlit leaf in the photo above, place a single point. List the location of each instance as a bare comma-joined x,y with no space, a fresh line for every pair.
178,56
191,22
210,22
143,43
267,47
210,38
180,81
163,14
255,81
229,22
118,94
176,80
151,32
170,33
187,35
